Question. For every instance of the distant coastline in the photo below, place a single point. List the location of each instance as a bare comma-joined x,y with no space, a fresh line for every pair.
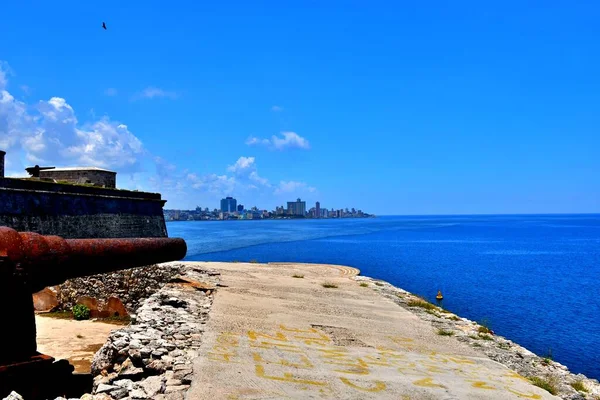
287,217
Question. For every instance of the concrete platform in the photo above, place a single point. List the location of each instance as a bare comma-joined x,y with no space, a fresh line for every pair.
273,336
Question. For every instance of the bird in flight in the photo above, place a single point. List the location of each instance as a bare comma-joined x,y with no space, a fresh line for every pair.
104,25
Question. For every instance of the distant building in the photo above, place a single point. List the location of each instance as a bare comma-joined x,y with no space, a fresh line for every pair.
297,207
318,210
228,205
240,208
82,175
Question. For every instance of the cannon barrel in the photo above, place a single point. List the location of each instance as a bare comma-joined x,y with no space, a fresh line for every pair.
50,260
28,263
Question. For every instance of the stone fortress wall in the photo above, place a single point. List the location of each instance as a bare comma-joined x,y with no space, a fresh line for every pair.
84,211
93,176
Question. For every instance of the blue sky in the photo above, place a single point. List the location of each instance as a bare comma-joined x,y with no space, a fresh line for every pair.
393,107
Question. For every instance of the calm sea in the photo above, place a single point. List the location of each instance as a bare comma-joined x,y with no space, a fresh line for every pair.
534,279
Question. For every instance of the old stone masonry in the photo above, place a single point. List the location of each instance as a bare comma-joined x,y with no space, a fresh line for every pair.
152,358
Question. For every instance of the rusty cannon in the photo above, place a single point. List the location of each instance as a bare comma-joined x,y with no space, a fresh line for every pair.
28,263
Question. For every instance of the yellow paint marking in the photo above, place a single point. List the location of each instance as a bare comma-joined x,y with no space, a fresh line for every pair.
306,364
252,335
277,346
379,386
287,377
524,395
427,382
515,375
224,357
482,385
461,360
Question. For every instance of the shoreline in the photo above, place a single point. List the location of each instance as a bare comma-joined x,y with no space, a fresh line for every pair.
496,347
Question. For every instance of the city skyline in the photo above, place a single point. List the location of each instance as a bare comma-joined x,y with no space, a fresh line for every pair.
295,209
471,108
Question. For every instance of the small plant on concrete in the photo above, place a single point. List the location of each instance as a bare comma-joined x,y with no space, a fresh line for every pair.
254,261
422,304
364,284
443,332
547,384
579,386
81,312
329,285
484,326
297,276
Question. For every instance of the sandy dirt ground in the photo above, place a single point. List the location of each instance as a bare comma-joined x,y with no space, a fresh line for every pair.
76,341
274,336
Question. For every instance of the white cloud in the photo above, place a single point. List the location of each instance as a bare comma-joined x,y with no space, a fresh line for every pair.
288,187
276,108
289,140
110,92
153,92
49,133
245,168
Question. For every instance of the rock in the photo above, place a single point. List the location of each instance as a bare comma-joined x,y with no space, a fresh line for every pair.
174,382
124,383
87,396
156,366
152,385
120,343
119,393
45,300
102,396
138,394
14,396
114,307
174,396
171,389
102,388
145,352
159,352
103,359
184,375
89,302
104,379
129,371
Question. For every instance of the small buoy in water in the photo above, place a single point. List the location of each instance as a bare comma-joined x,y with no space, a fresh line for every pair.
439,295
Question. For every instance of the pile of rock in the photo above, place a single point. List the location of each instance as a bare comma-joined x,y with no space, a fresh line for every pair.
130,286
496,347
152,358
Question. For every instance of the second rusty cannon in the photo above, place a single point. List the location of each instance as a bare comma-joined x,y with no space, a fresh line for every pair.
30,261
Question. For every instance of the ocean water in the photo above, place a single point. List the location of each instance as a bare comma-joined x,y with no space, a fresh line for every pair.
534,279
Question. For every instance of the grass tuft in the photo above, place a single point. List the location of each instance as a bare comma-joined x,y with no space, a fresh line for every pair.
422,304
379,283
443,332
579,386
329,285
485,336
547,384
454,318
364,284
483,329
253,261
297,276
